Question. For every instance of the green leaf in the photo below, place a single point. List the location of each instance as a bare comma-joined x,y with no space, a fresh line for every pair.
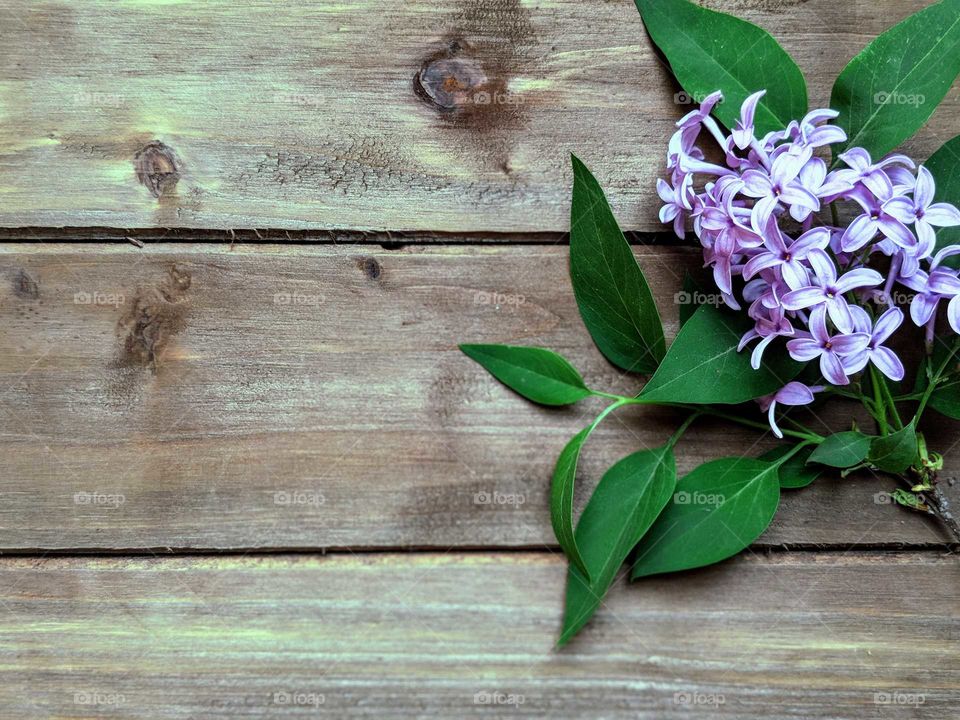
561,498
895,452
718,510
539,375
887,92
704,367
687,298
946,399
614,299
794,473
842,450
944,165
627,500
709,50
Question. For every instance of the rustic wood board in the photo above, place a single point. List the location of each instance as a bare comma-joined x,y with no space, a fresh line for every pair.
194,396
808,635
307,114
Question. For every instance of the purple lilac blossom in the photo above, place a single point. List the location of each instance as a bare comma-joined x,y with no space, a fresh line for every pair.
793,393
830,349
828,290
922,211
931,287
804,278
885,359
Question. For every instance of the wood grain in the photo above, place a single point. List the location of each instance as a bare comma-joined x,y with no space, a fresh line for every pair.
810,635
456,116
194,396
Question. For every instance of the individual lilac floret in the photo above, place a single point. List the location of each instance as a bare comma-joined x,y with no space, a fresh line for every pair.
829,289
768,329
830,349
872,175
743,130
678,202
730,236
874,219
823,185
932,286
940,283
793,393
787,255
813,132
885,360
780,184
922,211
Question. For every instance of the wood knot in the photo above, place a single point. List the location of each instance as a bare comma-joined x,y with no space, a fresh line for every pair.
450,81
371,267
158,167
178,281
25,285
156,314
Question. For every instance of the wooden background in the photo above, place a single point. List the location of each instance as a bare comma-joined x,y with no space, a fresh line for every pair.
246,472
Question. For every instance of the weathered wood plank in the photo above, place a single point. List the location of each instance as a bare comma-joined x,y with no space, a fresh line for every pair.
308,397
465,636
320,115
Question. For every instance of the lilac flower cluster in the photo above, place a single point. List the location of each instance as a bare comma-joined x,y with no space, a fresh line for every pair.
806,281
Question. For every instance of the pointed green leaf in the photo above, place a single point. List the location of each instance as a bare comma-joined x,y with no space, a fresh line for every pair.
794,472
614,299
842,450
709,50
704,367
538,374
895,452
623,507
561,499
887,92
718,510
944,165
688,297
946,399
